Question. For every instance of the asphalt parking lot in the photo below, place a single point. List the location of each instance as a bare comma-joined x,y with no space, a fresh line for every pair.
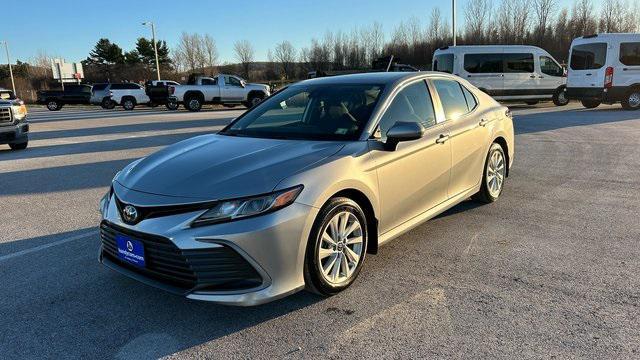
549,271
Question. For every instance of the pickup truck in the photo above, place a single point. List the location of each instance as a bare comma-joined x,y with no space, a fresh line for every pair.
72,94
228,90
14,128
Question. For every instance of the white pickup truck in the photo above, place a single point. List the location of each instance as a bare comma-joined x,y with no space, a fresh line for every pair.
228,90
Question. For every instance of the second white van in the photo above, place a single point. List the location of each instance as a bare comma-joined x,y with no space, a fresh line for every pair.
506,72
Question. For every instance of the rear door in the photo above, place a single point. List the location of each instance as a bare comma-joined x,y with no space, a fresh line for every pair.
485,71
587,65
628,71
519,75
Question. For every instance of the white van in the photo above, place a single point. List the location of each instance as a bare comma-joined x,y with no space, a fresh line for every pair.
506,72
605,68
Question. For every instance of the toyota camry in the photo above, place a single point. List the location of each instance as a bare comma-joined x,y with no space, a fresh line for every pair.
296,192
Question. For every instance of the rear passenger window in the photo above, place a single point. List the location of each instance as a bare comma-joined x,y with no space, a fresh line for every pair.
588,56
452,98
630,53
411,104
206,81
518,63
483,63
471,100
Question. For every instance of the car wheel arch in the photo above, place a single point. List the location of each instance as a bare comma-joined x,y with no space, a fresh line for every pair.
505,147
367,206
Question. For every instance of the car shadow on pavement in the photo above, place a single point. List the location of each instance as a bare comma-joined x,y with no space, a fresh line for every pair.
546,121
62,302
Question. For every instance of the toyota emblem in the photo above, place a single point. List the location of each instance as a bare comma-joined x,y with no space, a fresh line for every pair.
130,214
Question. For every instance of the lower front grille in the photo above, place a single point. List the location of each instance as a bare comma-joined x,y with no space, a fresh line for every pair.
220,268
5,116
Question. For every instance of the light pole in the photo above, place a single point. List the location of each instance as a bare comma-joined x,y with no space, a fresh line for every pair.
453,13
6,49
155,47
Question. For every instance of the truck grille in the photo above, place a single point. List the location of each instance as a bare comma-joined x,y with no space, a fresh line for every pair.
5,116
219,268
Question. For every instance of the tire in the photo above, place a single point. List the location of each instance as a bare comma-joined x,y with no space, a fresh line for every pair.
193,103
172,105
230,106
254,100
337,209
560,97
497,161
152,104
590,104
108,104
19,146
532,102
631,100
54,105
129,103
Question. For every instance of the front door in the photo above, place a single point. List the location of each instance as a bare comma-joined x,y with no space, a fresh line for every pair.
233,90
413,178
551,75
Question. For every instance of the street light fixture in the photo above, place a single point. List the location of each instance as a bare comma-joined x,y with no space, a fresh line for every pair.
155,47
6,48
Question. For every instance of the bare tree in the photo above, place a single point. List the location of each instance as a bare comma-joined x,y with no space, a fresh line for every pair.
190,52
477,16
210,51
244,54
542,10
285,55
582,19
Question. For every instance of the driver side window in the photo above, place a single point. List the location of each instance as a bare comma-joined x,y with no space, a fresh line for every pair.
411,104
233,81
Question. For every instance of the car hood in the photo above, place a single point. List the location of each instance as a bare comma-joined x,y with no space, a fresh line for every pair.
213,167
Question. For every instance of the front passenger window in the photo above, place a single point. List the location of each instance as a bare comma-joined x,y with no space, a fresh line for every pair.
411,104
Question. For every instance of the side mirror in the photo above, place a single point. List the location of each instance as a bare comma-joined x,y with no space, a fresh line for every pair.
403,131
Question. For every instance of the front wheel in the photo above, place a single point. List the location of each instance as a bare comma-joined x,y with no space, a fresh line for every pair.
336,248
532,102
254,101
495,172
632,100
19,146
560,97
54,105
128,104
590,104
193,104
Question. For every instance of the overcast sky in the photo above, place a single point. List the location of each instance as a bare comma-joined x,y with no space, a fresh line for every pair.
70,29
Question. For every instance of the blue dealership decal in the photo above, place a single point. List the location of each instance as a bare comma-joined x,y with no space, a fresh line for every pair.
130,250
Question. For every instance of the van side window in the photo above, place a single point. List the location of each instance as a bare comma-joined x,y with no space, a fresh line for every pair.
443,63
588,56
483,63
411,104
549,67
630,53
452,98
518,63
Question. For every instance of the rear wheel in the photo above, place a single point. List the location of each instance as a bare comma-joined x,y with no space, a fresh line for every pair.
19,146
560,97
128,103
254,100
336,248
495,172
590,104
532,102
108,104
632,100
54,105
172,105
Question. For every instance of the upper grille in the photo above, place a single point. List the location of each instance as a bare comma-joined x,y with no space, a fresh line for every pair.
5,115
219,268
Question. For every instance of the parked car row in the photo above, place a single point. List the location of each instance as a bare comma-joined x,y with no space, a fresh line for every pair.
227,90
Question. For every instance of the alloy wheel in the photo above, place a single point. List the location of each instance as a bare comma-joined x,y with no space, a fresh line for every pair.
634,100
341,248
496,171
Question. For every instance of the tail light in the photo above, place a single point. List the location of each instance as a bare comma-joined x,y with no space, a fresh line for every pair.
172,90
608,78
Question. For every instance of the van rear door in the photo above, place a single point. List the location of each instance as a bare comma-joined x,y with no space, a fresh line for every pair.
627,72
587,65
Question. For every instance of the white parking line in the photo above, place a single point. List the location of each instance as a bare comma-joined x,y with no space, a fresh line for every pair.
46,246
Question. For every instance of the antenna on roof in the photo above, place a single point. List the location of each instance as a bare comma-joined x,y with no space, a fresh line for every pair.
390,63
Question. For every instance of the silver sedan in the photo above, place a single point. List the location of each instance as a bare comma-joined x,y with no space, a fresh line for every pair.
296,192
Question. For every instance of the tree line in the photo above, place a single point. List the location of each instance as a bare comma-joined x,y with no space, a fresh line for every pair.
543,23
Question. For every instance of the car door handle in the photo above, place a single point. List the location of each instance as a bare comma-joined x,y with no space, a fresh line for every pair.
589,74
442,139
483,122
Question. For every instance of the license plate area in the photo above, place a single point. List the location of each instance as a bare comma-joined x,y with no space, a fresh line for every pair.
130,250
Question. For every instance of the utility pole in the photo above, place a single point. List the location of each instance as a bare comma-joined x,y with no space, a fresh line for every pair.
13,84
155,47
453,12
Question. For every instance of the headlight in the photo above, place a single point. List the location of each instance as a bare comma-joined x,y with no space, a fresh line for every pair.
19,111
230,210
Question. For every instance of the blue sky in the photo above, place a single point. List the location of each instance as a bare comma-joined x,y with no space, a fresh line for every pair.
71,28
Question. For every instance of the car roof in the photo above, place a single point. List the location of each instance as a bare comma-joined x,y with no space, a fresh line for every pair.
378,78
606,37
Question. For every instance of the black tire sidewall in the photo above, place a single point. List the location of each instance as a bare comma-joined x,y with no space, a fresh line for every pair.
556,97
590,104
484,195
191,108
314,280
625,103
19,146
124,104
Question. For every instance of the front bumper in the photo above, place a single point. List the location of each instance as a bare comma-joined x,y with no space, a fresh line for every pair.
14,133
606,95
245,262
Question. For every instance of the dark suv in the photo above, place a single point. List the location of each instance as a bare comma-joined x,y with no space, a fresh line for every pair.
72,94
14,128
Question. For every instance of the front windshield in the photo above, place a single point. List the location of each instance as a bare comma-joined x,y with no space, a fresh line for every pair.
311,112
